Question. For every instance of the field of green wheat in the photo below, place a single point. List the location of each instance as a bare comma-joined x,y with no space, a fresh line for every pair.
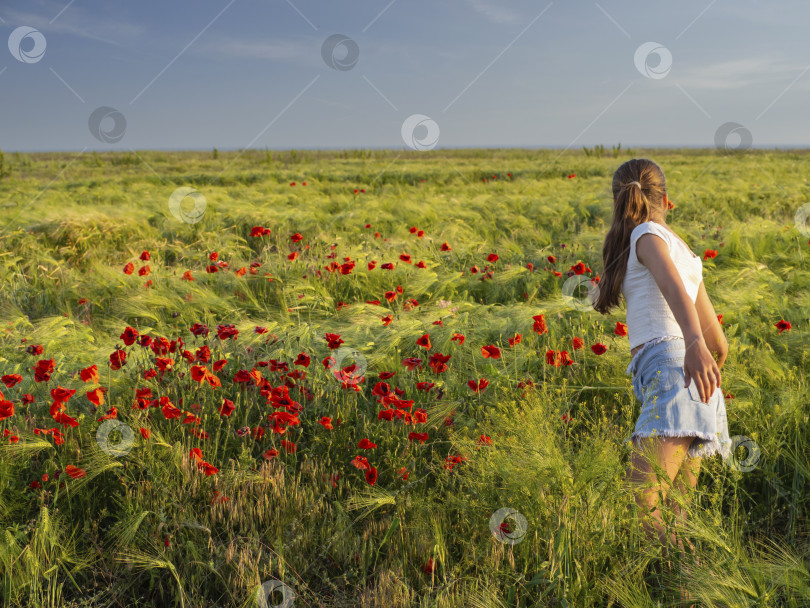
362,378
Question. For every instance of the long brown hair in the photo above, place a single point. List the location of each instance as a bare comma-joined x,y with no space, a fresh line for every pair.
633,204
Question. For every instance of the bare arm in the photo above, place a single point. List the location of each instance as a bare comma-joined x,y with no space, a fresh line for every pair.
699,364
710,326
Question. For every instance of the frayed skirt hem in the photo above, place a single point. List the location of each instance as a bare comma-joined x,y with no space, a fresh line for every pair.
703,450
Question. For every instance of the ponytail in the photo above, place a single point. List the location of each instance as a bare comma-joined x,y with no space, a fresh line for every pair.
638,190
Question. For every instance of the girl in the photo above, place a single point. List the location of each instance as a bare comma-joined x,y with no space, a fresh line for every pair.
674,337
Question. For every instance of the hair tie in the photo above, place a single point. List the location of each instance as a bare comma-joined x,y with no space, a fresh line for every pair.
637,183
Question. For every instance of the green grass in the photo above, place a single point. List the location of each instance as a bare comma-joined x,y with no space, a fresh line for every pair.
70,224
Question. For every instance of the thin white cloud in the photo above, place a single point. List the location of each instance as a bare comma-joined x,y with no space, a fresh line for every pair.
74,21
494,12
276,50
738,73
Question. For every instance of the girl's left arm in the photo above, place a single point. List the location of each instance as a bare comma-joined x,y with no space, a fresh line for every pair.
710,326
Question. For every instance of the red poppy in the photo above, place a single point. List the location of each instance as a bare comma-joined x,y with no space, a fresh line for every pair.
170,411
227,407
458,338
326,422
420,437
446,247
491,351
515,340
365,444
207,468
492,257
333,340
599,348
89,374
118,359
129,268
578,343
361,463
270,454
11,379
720,319
145,433
96,396
371,476
621,329
227,331
551,259
259,231
198,329
75,472
480,386
111,414
783,325
572,175
484,440
412,362
452,461
579,268
424,341
540,324
709,253
129,336
62,395
200,373
6,409
438,362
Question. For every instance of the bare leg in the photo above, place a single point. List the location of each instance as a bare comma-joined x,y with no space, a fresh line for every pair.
684,484
654,457
668,453
678,500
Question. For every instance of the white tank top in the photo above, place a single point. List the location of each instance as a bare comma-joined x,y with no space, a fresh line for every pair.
648,313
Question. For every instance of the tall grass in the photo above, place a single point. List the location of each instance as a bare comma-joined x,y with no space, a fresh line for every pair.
150,528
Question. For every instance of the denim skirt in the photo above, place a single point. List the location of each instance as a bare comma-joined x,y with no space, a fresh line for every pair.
670,410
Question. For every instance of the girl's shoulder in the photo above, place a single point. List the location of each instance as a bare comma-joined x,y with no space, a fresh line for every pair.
651,227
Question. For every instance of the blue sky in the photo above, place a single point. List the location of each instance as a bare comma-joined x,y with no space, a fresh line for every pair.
490,73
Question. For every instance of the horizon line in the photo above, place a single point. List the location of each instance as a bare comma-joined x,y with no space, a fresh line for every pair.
774,147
